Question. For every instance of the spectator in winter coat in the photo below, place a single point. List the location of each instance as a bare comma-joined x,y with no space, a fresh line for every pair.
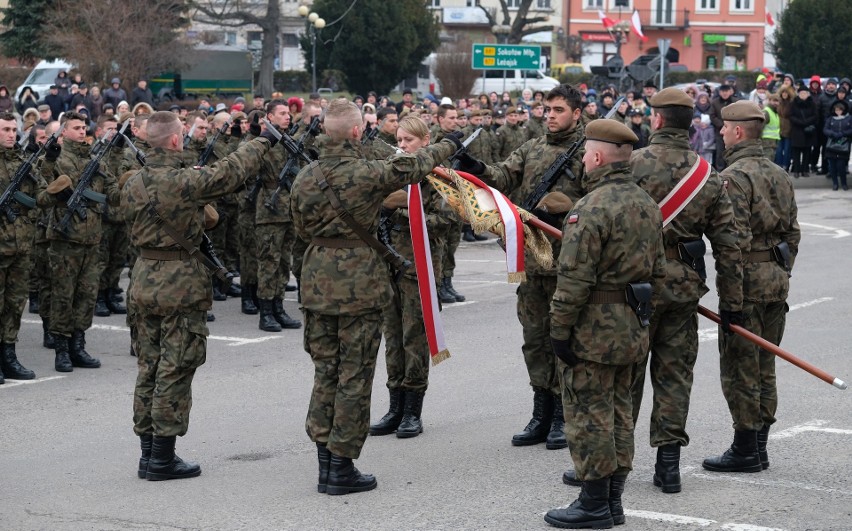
55,101
758,95
6,102
115,94
803,126
63,83
640,128
703,139
838,131
725,98
27,100
702,103
95,102
141,94
786,95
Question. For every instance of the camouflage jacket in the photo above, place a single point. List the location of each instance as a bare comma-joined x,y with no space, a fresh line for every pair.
536,127
765,209
16,237
612,237
509,138
657,169
351,281
72,161
226,145
167,287
480,148
521,172
438,219
128,160
273,163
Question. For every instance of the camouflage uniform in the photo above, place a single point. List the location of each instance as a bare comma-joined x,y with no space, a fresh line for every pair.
130,163
171,296
765,209
509,138
449,235
674,325
248,234
115,240
612,238
536,127
480,148
517,177
226,234
345,288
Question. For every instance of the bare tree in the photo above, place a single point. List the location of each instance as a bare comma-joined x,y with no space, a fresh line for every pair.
452,68
524,23
106,38
238,13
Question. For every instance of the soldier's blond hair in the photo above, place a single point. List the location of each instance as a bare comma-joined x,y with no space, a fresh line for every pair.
415,126
161,126
341,116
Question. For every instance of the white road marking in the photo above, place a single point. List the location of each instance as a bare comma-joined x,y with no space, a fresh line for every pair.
231,340
793,485
456,304
711,334
834,232
15,383
814,425
748,527
671,518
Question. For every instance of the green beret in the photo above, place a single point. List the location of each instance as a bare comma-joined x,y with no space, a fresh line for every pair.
486,112
671,97
610,131
474,114
512,110
742,111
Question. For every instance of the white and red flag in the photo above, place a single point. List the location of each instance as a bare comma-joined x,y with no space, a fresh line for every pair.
605,20
637,26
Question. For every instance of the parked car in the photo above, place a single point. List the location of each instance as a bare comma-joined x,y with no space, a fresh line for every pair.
514,80
42,76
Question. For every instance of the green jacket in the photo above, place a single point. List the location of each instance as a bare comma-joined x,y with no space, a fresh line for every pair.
16,237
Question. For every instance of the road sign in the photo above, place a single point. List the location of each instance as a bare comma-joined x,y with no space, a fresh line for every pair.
505,57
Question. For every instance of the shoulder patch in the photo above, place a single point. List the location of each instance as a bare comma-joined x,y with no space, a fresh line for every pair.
573,218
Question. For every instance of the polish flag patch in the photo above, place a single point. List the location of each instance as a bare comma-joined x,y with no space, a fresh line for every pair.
573,218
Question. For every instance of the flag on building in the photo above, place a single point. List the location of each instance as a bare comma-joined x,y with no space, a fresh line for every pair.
637,26
769,20
605,20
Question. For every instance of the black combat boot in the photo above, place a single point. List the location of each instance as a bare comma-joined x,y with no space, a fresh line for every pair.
164,464
411,424
210,317
291,287
667,469
114,306
324,460
556,438
762,439
444,295
33,302
268,323
616,488
145,441
248,305
2,378
48,341
63,361
570,478
344,478
11,367
742,456
448,285
77,350
234,290
217,291
539,426
589,511
101,309
115,294
390,422
281,316
467,233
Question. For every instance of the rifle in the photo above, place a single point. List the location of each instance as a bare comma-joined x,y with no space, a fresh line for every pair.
252,193
13,191
188,138
140,157
77,203
291,168
383,233
454,160
293,128
369,135
205,156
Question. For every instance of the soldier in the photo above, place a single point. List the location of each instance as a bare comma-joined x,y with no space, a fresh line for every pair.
248,234
479,149
406,348
518,176
536,126
171,292
388,124
509,136
657,169
345,285
765,211
16,240
41,262
611,263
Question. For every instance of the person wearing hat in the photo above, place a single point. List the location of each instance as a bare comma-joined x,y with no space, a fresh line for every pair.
509,136
766,214
731,81
115,94
590,111
536,126
648,90
825,107
658,169
45,115
636,123
55,101
407,101
726,95
611,247
772,131
838,132
803,116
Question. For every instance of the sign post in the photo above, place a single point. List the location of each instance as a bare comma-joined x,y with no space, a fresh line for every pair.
663,45
505,57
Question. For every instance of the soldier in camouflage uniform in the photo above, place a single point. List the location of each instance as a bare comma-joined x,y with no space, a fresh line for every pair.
612,259
479,149
16,240
510,136
131,163
41,261
518,176
74,259
536,125
344,286
225,235
274,230
766,214
406,347
657,169
245,219
170,293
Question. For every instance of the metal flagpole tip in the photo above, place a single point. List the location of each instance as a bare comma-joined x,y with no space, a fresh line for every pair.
840,384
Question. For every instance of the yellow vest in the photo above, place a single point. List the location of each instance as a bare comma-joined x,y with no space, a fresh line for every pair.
772,130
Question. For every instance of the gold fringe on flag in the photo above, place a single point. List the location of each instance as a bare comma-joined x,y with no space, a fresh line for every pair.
441,356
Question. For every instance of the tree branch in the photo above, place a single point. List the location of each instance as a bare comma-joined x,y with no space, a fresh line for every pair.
535,29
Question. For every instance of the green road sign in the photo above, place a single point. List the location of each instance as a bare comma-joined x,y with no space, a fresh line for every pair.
505,57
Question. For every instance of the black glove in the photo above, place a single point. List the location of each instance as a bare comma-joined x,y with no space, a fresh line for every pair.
269,136
562,349
547,217
236,129
388,212
254,126
455,137
62,196
119,140
32,145
728,318
470,164
52,152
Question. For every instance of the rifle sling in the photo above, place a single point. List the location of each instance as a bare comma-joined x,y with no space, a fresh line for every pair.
396,261
170,229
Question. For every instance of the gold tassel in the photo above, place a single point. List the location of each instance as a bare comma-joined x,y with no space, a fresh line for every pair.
517,277
441,356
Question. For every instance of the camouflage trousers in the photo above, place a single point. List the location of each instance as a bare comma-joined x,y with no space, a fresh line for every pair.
406,348
450,241
343,349
75,270
598,418
274,242
674,350
748,371
534,296
113,253
13,294
169,349
40,277
248,247
226,235
299,248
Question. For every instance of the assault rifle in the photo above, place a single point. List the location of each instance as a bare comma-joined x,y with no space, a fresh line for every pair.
253,192
140,157
205,155
78,201
454,160
13,191
293,128
296,149
370,133
384,236
188,138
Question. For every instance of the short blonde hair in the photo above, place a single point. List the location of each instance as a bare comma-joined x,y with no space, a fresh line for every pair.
415,126
340,117
161,126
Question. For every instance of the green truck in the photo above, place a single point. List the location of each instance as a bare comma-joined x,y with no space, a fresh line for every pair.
221,71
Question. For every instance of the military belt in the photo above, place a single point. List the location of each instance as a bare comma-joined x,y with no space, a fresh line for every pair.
607,297
672,254
755,257
338,243
164,254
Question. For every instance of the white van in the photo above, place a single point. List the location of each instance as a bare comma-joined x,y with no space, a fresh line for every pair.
42,76
494,81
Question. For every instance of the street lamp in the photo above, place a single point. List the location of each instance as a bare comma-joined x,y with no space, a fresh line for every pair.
314,23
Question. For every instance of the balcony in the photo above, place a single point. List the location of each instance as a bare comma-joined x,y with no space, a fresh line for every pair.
664,19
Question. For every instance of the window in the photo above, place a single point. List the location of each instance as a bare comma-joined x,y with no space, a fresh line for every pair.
543,4
471,3
434,3
230,38
616,5
513,4
706,5
593,4
742,5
